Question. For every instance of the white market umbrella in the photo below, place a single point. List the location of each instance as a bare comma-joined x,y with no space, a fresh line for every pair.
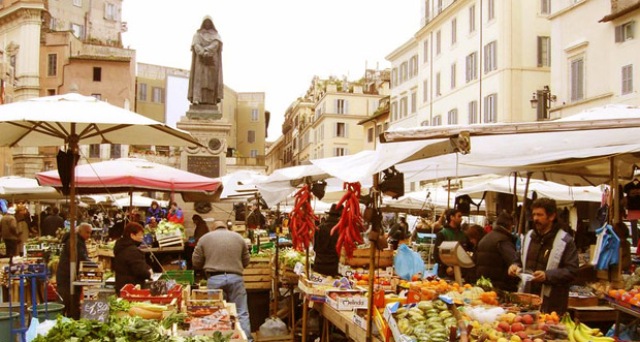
73,119
15,187
138,201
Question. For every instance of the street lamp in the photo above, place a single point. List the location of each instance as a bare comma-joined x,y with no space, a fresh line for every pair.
544,97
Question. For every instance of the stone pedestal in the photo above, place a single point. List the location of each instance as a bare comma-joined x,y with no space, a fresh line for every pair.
204,112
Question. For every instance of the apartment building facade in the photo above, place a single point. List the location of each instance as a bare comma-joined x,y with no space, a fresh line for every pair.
594,52
472,62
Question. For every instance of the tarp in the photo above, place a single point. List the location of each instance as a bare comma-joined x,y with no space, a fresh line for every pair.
21,188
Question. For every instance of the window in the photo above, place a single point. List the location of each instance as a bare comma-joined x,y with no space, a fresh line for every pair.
440,6
254,114
51,92
251,136
452,117
109,11
545,6
627,79
157,95
414,100
473,112
370,134
425,91
625,31
454,31
436,120
379,128
97,74
94,151
341,130
78,31
453,76
411,68
544,51
577,79
490,57
403,72
471,67
341,106
491,108
394,111
425,51
403,108
438,85
491,10
52,64
438,43
472,18
253,154
116,151
394,77
415,65
340,151
142,92
77,3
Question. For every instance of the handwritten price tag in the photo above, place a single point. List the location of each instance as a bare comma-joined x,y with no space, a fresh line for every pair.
96,310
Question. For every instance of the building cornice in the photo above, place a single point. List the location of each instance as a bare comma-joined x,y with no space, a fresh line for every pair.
102,58
441,17
402,49
621,13
21,11
566,10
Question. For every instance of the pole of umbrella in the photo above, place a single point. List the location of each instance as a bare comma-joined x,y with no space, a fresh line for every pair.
372,260
515,194
73,146
524,205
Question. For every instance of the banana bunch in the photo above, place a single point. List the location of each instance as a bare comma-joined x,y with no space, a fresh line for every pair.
580,332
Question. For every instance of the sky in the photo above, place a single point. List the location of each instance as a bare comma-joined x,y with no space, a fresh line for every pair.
274,46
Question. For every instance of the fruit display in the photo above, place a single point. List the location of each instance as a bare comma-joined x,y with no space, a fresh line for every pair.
428,321
580,332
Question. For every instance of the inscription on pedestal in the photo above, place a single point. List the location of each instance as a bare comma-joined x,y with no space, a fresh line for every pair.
205,166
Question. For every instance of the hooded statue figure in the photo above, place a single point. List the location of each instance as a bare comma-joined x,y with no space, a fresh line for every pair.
205,80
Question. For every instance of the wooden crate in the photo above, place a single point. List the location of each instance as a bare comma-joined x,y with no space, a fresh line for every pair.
257,276
361,256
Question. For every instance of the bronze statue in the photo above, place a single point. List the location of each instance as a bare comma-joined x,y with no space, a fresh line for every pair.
205,80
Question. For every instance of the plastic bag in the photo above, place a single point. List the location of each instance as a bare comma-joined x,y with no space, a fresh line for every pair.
273,326
407,262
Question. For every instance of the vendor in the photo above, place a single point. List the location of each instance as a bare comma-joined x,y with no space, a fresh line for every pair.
398,232
156,212
550,256
129,263
175,214
450,232
63,273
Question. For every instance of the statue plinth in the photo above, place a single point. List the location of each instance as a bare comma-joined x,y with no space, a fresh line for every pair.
204,112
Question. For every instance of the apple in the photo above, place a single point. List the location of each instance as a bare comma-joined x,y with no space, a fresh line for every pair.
504,326
523,335
515,327
527,319
517,319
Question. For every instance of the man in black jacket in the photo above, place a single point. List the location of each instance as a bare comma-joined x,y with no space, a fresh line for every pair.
324,244
495,252
51,223
63,274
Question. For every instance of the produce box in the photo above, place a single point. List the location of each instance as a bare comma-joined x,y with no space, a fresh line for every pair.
389,310
314,288
258,274
361,256
360,319
583,301
133,294
207,294
344,300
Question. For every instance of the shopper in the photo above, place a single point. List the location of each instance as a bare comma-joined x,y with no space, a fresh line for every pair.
52,222
129,263
450,232
550,256
223,255
324,244
10,234
495,252
63,273
398,232
201,227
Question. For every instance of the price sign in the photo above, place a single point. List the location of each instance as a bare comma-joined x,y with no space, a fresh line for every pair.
96,310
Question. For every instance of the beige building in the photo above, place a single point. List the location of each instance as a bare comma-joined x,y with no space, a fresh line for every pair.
594,49
471,62
52,47
376,124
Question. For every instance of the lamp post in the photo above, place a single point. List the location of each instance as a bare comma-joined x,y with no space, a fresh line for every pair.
541,101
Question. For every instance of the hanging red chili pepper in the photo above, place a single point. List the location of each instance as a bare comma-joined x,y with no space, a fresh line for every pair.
302,222
350,226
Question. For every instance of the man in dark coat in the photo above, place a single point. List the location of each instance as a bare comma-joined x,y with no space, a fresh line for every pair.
324,244
550,256
63,274
129,263
495,252
52,222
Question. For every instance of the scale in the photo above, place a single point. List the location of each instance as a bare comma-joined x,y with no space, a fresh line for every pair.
452,254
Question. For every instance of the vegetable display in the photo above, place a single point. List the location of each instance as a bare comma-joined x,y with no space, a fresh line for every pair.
350,226
302,223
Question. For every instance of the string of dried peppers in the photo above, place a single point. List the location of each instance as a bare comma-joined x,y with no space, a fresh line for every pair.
350,226
302,221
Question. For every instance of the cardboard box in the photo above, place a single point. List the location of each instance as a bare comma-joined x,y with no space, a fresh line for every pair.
389,310
344,300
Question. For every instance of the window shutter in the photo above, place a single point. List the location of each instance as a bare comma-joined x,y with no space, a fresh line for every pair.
346,129
631,29
346,107
619,36
540,42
